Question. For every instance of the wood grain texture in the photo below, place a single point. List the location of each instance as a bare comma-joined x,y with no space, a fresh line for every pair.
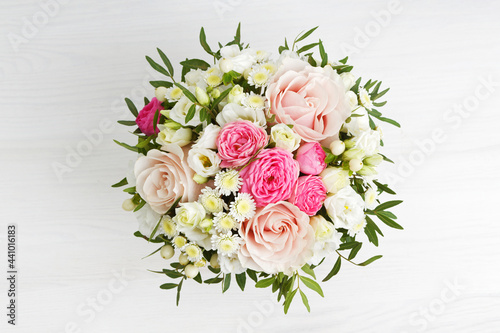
70,77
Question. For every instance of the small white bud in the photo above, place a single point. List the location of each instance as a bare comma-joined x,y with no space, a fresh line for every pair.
201,263
226,65
167,252
183,259
214,260
200,179
128,205
191,271
202,96
337,147
355,164
160,93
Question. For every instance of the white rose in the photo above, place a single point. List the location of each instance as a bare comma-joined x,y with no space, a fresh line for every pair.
147,219
181,109
348,79
208,138
346,209
352,99
335,179
240,60
189,214
195,77
327,239
236,95
180,137
205,162
232,112
285,137
368,142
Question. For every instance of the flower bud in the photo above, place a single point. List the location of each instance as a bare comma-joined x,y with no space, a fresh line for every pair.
373,160
354,153
160,93
215,93
214,260
128,205
167,252
183,259
191,271
349,143
172,124
166,113
236,94
202,96
201,263
226,65
355,165
348,79
367,171
200,179
206,224
337,147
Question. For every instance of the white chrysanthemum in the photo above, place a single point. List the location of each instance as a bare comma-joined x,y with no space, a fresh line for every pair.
270,66
261,55
224,222
228,182
213,76
169,227
193,252
173,94
179,242
211,200
254,101
226,244
365,99
259,76
243,207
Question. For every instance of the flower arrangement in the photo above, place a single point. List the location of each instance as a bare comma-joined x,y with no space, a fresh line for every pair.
258,166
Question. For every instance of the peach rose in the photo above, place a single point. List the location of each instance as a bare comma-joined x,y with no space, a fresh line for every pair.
162,177
312,99
278,238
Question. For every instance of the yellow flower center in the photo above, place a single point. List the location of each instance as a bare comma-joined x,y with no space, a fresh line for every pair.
260,78
213,80
255,101
176,93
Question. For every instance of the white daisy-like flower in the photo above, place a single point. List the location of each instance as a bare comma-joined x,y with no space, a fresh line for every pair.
259,76
224,222
270,66
243,207
254,101
169,227
173,94
357,228
226,244
213,76
261,55
227,182
193,252
365,99
211,200
179,242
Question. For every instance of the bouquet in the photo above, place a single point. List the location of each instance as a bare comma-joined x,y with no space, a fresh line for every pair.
257,166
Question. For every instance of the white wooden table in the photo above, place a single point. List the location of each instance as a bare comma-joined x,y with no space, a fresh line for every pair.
64,71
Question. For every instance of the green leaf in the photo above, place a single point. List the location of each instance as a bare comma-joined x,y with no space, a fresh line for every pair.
252,274
383,187
169,286
378,95
214,270
306,34
178,298
388,214
195,64
144,142
198,279
307,269
157,84
344,60
305,301
311,284
388,204
371,234
203,42
391,223
389,121
237,37
124,145
127,122
288,300
369,222
386,158
131,107
241,279
348,245
324,56
155,251
335,269
369,261
213,280
167,62
140,205
227,282
121,183
265,282
172,274
157,67
306,47
355,251
186,92
191,113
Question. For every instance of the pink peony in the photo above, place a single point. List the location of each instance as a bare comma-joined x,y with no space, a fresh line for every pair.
162,177
278,238
238,142
311,158
146,117
272,177
311,98
309,194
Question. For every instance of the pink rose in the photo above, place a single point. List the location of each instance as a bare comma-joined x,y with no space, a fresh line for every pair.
272,177
309,194
312,99
278,238
162,177
146,117
238,142
311,158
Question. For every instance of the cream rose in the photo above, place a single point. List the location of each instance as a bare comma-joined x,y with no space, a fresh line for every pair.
312,99
278,238
162,177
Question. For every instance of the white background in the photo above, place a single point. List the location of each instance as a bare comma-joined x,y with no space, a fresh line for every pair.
71,74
